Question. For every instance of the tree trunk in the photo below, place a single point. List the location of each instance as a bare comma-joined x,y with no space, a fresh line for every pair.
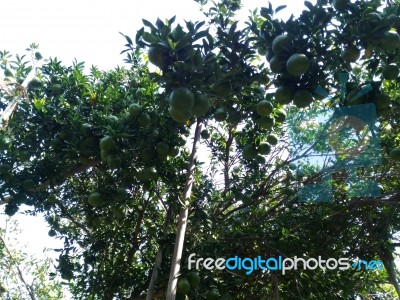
182,221
157,263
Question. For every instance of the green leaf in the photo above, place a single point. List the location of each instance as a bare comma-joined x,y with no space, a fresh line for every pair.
149,24
279,8
149,38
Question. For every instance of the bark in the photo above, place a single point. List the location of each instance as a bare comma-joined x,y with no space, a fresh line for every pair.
182,221
157,263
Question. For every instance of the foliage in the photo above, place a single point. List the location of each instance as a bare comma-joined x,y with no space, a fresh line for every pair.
98,134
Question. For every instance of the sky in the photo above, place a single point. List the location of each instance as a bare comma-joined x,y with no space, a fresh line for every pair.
88,31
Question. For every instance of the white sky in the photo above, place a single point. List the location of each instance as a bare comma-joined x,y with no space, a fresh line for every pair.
89,31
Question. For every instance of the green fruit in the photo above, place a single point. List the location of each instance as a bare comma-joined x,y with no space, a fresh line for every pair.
178,116
213,295
390,41
205,134
114,161
282,43
249,152
29,185
162,148
5,168
351,54
52,233
52,198
264,149
222,89
201,105
284,94
96,199
158,57
107,144
280,116
297,65
104,155
148,173
183,285
395,154
135,109
266,122
382,101
118,213
260,159
144,120
182,100
220,115
57,89
390,72
276,64
264,108
272,139
341,5
194,279
173,152
302,98
86,129
120,195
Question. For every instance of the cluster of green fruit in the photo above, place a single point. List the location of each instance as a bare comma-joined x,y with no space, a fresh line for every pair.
251,152
184,104
192,281
282,60
108,153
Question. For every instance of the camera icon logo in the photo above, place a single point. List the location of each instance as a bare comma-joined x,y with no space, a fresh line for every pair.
341,141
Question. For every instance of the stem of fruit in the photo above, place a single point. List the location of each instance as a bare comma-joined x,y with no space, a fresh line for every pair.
183,218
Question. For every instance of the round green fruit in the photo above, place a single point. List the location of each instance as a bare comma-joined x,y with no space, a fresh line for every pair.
302,98
5,168
52,198
147,174
205,134
249,152
390,41
173,152
272,139
29,185
114,161
266,122
158,57
351,54
96,199
178,116
260,159
220,115
297,65
194,279
382,101
183,285
341,5
182,100
264,149
57,89
107,144
390,72
120,195
162,148
395,154
213,295
222,89
284,94
280,116
134,109
264,108
144,120
52,233
201,105
276,64
118,213
282,43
